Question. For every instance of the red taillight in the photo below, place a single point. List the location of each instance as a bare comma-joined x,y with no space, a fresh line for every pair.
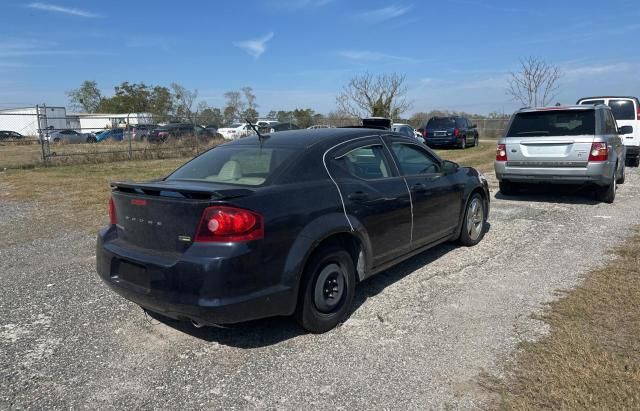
229,224
456,132
501,153
424,133
112,212
638,115
599,152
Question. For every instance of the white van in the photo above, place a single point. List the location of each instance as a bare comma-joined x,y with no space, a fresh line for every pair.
626,110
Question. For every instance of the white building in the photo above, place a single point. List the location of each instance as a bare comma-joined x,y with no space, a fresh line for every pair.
91,122
28,120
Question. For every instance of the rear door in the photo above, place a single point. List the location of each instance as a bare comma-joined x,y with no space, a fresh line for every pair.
375,193
551,138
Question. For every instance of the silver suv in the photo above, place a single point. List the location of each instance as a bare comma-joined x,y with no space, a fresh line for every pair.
567,145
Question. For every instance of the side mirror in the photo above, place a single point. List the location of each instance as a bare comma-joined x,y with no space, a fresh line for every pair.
449,167
625,130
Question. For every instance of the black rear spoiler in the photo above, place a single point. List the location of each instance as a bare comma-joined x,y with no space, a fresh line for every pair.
182,189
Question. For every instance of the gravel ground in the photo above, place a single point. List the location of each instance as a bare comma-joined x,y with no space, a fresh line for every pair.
419,336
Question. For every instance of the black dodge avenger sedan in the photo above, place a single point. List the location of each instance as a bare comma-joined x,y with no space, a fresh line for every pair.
284,224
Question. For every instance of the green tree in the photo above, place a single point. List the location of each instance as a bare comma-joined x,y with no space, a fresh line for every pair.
85,98
303,117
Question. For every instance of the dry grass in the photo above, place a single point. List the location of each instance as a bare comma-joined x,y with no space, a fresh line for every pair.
591,358
480,157
74,197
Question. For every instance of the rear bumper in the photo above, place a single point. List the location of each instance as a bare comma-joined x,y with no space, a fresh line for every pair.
194,285
442,141
594,173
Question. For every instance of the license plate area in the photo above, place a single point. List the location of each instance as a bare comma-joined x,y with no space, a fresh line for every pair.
132,274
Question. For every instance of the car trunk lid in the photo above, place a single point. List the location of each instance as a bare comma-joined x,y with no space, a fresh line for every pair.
164,216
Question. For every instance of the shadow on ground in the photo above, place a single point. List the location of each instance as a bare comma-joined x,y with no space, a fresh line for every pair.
270,331
552,193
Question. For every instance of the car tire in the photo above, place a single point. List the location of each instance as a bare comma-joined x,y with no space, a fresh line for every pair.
607,194
473,223
623,175
91,140
508,188
634,162
463,143
321,308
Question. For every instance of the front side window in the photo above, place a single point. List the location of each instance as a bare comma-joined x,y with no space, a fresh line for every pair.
367,163
413,160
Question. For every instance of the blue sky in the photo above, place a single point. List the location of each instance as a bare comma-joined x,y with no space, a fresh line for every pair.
298,53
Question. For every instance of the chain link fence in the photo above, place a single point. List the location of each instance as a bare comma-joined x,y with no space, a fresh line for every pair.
48,135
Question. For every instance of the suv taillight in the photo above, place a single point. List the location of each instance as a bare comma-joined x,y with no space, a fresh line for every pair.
456,132
424,133
501,152
112,212
229,224
599,152
638,115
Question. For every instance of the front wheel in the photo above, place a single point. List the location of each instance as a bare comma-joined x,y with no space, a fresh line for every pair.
473,223
327,290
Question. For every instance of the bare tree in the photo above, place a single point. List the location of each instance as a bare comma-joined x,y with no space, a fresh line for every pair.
184,100
234,107
251,112
380,95
536,84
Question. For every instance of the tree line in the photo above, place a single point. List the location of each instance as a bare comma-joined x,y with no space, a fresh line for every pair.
383,95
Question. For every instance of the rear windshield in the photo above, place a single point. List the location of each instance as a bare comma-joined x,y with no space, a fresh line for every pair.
623,109
554,123
240,165
436,123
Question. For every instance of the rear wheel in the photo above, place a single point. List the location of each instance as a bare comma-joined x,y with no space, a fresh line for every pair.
508,188
328,287
607,194
622,176
91,139
463,143
473,223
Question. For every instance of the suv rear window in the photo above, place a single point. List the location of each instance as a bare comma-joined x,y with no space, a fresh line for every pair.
246,165
554,123
623,109
441,122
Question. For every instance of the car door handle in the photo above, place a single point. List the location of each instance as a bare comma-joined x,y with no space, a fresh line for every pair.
419,188
358,196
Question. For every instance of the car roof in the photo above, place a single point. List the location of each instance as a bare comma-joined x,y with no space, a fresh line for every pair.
305,138
599,97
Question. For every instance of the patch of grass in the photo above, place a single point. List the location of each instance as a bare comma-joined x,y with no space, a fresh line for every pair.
591,358
480,157
69,198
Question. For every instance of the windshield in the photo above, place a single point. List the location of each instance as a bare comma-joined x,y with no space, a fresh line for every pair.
240,165
554,123
235,125
437,123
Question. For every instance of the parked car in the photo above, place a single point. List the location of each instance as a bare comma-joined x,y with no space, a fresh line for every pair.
213,128
236,131
177,131
274,128
569,145
139,132
319,126
69,137
626,111
284,224
10,135
114,134
377,122
265,123
450,131
407,130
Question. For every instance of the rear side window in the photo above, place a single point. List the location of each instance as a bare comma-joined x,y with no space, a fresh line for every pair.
439,123
553,123
623,109
367,163
245,165
591,102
